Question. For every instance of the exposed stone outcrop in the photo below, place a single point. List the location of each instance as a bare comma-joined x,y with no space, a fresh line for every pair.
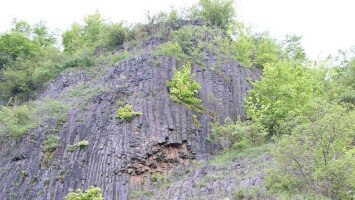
122,155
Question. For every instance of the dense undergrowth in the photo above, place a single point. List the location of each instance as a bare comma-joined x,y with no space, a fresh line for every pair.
303,109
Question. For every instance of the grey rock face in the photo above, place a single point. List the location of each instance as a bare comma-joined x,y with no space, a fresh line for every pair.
122,155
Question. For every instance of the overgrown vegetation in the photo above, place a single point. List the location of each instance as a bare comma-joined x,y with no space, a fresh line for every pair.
318,155
81,145
93,193
183,88
126,113
50,143
17,120
14,121
160,181
303,110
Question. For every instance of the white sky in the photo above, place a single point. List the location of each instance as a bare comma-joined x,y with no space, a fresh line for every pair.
326,25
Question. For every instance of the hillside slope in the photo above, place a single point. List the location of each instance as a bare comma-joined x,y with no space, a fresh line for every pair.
121,155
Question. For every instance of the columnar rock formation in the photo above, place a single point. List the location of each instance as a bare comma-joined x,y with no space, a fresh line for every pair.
122,155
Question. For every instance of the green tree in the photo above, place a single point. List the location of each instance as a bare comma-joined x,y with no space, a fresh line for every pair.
16,44
113,35
292,48
318,155
341,83
85,36
72,39
285,89
219,13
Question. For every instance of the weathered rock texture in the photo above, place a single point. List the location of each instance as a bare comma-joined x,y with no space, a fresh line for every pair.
121,155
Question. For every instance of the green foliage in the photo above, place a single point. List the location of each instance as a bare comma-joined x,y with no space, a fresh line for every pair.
170,49
15,121
95,32
113,35
230,155
254,49
136,194
120,57
27,60
160,180
18,120
126,113
50,143
25,41
17,45
183,88
292,48
82,144
220,13
238,135
79,59
23,77
251,193
318,155
190,44
165,17
93,193
341,85
72,40
285,89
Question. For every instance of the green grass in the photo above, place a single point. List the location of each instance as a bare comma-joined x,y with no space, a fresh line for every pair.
18,120
83,93
139,194
229,155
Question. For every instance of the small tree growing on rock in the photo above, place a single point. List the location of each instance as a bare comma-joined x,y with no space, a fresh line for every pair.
183,88
93,193
126,113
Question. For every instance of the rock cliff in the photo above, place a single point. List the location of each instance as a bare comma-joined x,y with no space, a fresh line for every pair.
121,155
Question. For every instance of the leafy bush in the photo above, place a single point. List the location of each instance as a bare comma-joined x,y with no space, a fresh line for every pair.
27,59
93,33
50,143
82,144
238,135
85,36
113,35
17,45
285,89
183,88
190,43
79,59
254,49
165,17
15,121
219,13
318,155
93,193
292,48
126,113
341,85
170,49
